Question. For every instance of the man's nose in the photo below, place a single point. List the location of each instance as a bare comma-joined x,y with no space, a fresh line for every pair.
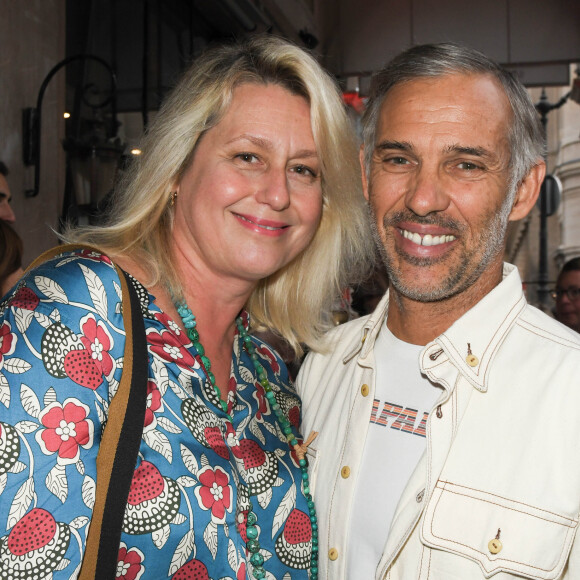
274,190
426,193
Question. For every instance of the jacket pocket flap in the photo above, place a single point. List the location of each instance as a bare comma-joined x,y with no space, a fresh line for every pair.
529,541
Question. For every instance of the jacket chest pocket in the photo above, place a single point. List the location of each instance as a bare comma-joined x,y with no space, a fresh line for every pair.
498,534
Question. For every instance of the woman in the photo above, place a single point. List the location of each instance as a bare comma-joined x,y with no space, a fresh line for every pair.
244,207
10,257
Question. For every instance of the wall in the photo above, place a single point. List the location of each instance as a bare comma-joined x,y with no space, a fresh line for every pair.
33,41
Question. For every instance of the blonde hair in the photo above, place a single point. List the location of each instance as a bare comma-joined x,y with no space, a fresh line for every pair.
296,301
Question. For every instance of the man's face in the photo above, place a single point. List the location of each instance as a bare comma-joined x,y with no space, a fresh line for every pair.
6,212
568,309
438,185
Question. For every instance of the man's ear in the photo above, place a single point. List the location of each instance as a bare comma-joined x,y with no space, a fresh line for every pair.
528,192
363,170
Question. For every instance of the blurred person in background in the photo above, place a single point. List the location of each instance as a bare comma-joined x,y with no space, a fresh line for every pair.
10,257
567,294
6,212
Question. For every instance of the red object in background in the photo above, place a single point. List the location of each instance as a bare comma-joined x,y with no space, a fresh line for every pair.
353,99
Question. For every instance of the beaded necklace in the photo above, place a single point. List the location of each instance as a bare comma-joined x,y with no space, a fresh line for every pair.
253,543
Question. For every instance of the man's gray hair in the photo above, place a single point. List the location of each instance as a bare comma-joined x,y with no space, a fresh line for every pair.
526,137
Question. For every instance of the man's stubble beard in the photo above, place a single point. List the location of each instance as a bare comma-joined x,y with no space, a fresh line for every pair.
459,279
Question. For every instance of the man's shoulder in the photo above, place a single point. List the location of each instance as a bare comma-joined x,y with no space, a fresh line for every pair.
545,327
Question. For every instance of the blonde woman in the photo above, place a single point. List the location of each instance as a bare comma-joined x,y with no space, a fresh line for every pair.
243,213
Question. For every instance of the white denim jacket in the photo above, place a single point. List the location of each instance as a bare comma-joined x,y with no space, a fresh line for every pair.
503,446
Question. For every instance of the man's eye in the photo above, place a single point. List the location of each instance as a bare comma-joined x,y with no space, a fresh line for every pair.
468,166
397,160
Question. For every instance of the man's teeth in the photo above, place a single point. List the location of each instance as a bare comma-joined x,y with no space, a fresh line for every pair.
427,239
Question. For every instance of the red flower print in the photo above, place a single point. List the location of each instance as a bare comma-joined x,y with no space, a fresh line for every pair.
172,327
98,343
94,256
214,493
260,395
7,342
153,402
66,429
170,348
129,565
266,353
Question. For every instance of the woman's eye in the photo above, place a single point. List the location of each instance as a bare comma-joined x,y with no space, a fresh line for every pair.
247,157
304,170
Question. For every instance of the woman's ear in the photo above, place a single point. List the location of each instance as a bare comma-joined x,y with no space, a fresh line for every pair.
528,192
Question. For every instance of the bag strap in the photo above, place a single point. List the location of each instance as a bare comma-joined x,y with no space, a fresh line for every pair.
115,464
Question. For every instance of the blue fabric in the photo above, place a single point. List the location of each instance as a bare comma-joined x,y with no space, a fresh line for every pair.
61,357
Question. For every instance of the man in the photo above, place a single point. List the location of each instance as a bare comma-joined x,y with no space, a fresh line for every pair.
567,294
449,443
6,212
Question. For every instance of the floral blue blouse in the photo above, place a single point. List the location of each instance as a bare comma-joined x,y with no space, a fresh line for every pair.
61,358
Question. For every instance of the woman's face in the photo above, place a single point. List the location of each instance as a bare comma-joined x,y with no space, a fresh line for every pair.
251,199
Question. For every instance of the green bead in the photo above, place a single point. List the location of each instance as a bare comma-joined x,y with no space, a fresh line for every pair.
264,382
306,489
257,559
211,378
259,573
251,519
302,463
193,335
199,347
252,532
288,430
206,362
253,546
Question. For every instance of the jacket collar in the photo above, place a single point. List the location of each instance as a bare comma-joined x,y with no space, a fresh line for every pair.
480,331
483,328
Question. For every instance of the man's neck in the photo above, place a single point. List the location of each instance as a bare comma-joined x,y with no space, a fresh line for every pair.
421,322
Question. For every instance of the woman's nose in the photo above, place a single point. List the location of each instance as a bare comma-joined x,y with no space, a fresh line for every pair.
274,190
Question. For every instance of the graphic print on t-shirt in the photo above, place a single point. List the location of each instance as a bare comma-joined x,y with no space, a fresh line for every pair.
395,417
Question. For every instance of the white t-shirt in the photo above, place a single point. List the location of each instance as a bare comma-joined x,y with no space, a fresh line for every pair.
394,444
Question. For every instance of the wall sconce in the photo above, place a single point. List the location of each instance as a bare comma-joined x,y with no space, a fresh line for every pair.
92,146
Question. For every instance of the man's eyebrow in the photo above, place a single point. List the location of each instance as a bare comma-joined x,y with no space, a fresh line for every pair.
397,145
4,196
466,150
